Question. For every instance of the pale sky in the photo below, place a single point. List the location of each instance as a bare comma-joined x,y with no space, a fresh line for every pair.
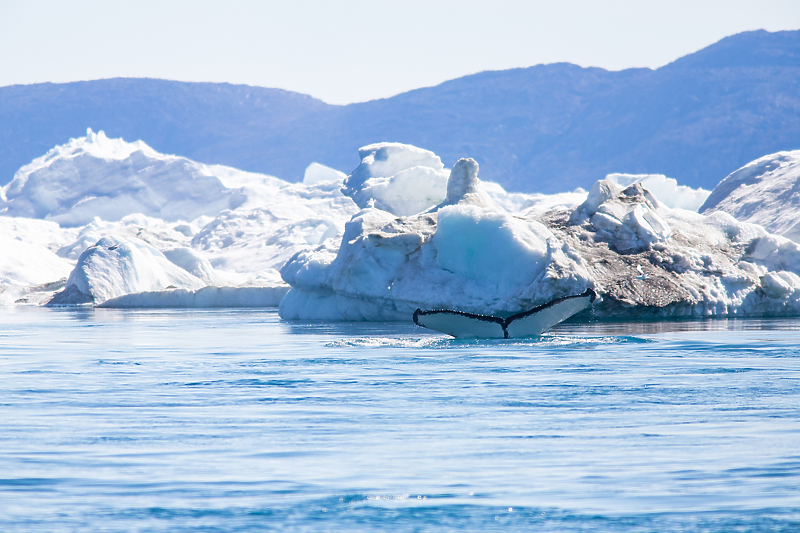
353,50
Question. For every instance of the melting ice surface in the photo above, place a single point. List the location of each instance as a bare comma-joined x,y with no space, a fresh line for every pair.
212,420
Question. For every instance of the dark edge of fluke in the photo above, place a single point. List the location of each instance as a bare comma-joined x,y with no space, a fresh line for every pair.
497,320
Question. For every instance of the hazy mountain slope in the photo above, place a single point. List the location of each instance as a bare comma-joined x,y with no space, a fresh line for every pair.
210,122
502,119
544,128
551,127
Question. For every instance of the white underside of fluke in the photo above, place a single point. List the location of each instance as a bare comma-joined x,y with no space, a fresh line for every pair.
529,323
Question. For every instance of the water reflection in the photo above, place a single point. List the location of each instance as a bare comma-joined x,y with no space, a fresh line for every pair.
652,327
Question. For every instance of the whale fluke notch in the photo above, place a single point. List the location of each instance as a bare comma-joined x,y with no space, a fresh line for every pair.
530,323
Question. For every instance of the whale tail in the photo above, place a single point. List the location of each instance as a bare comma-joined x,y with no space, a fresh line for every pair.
530,323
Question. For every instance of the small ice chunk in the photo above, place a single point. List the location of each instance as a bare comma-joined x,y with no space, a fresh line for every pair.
629,216
115,266
398,178
317,173
665,189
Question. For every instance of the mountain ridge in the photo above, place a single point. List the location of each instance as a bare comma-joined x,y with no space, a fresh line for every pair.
543,128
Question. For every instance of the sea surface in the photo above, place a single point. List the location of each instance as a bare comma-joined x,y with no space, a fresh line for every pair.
233,420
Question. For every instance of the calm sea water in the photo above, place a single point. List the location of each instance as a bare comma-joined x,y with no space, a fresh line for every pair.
114,420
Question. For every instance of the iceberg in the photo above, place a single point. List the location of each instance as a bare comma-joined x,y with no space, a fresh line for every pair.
399,233
207,297
317,172
765,191
398,178
665,189
466,253
627,218
115,266
30,268
28,252
221,226
154,231
647,260
471,256
253,244
95,176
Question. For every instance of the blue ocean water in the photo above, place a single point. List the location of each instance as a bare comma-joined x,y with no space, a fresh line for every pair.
221,420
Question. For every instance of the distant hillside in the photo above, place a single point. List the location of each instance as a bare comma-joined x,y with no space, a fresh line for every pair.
208,122
544,128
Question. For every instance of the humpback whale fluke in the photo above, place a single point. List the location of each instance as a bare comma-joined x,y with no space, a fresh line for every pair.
529,323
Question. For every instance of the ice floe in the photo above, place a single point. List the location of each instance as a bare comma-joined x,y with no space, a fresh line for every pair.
765,191
317,172
266,296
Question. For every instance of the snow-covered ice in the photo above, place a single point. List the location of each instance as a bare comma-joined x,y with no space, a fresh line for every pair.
629,216
221,226
28,260
115,266
254,243
317,172
707,265
267,296
466,253
118,224
765,191
469,254
398,178
95,176
665,189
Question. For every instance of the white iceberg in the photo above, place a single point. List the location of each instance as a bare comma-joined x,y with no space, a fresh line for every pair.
27,268
30,268
646,259
317,173
207,297
23,263
253,244
223,226
398,178
95,176
531,203
765,191
466,253
191,262
116,266
469,255
424,237
666,189
154,231
627,219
